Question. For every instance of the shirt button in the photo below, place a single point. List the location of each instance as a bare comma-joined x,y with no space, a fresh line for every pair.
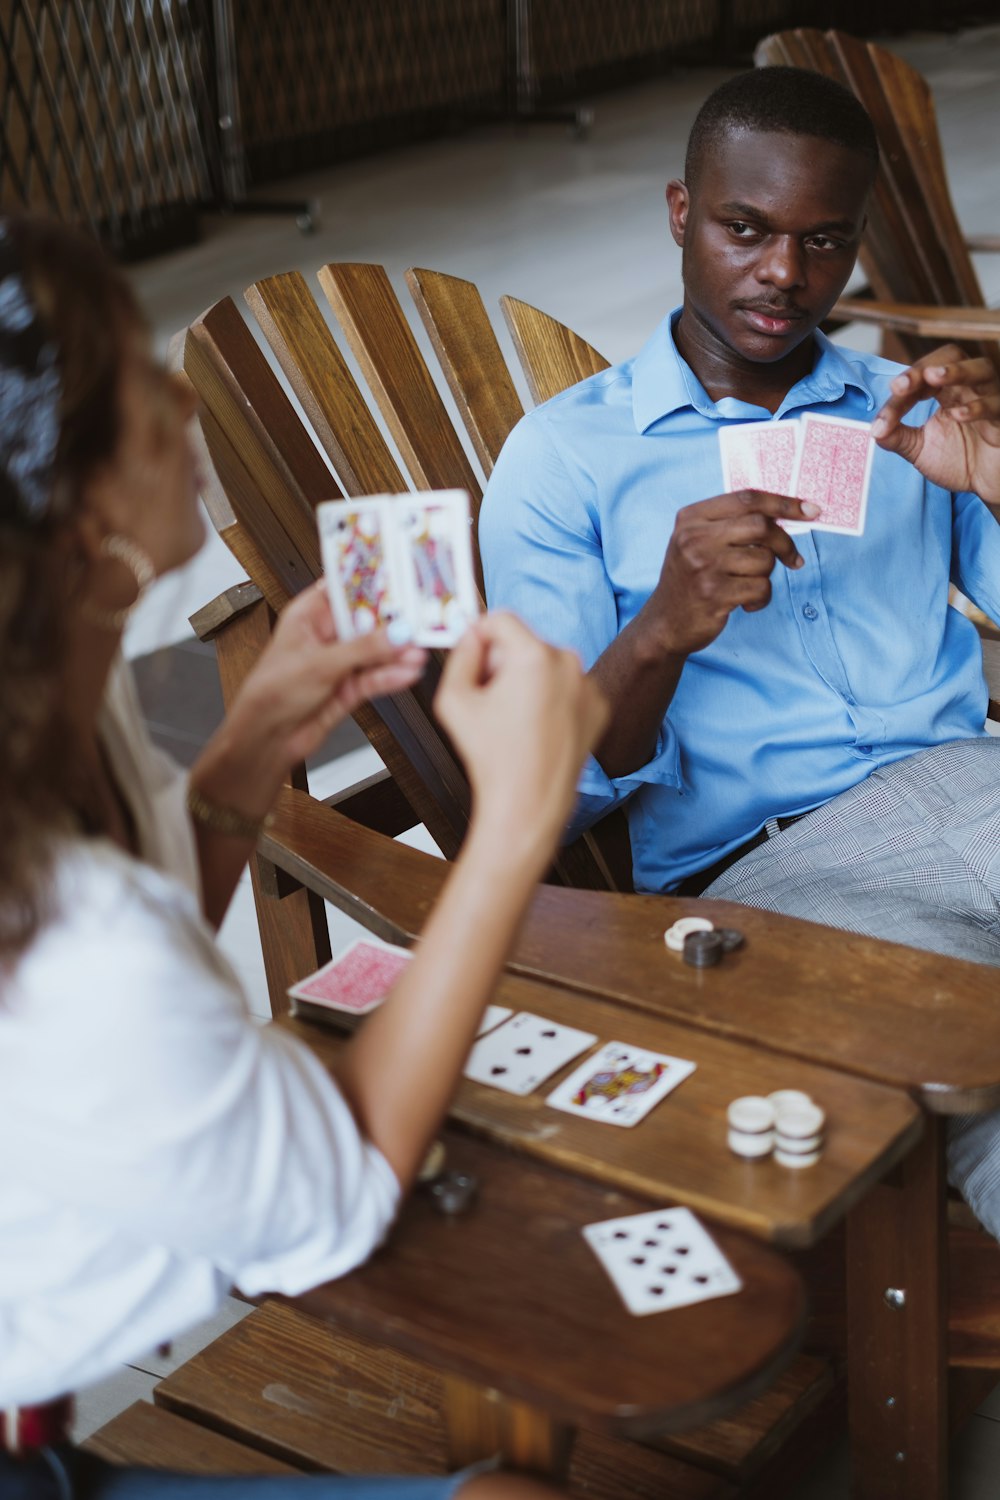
865,749
810,611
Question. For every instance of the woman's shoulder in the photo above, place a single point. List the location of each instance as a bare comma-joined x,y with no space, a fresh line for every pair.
114,926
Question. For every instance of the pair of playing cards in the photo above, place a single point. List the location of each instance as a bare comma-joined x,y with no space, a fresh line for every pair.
358,980
826,460
661,1260
618,1085
400,558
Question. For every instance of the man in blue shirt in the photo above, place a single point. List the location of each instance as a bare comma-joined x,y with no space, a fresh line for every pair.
797,721
743,691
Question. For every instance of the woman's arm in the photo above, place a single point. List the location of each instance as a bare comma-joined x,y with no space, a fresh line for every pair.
305,682
524,717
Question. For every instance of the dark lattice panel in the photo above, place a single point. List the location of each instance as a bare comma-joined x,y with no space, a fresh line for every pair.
573,38
103,107
757,17
319,80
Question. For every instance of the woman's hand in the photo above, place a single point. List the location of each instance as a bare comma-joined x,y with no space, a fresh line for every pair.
304,684
959,446
523,717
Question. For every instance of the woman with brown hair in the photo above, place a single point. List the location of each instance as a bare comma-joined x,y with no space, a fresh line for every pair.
156,1146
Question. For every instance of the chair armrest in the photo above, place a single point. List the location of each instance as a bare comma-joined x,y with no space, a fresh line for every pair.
224,609
386,886
924,322
983,244
376,803
991,671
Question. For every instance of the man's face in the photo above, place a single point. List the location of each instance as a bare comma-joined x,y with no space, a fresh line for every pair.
769,233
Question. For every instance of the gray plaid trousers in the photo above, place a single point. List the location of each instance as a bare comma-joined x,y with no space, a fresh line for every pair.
912,855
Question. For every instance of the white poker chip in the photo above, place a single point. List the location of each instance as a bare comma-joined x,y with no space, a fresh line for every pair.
751,1146
682,928
751,1115
433,1163
800,1122
791,1159
789,1098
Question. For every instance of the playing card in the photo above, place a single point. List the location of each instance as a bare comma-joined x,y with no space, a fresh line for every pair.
357,980
436,565
360,561
759,456
522,1053
833,469
492,1016
620,1084
661,1260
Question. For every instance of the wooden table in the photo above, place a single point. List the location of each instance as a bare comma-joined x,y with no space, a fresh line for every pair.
923,1026
509,1300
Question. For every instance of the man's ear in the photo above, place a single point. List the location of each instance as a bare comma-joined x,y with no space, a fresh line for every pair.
678,202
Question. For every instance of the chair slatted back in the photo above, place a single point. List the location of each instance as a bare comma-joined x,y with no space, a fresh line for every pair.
318,374
273,473
552,356
460,330
273,476
384,346
913,251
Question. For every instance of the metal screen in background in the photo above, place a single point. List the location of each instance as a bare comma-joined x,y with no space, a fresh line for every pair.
571,42
104,114
320,81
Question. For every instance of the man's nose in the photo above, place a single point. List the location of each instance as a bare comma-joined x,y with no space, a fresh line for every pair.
783,263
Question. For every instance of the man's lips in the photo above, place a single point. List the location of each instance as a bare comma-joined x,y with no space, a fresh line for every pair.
774,321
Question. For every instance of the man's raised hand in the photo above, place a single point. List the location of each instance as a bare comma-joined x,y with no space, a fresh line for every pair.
958,447
720,558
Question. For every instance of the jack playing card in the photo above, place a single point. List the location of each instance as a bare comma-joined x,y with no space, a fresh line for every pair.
521,1054
405,558
620,1084
357,980
359,561
661,1260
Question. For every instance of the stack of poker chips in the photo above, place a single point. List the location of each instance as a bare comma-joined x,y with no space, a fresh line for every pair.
700,941
787,1123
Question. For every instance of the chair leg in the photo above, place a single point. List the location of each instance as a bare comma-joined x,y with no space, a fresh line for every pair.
481,1423
294,935
897,1352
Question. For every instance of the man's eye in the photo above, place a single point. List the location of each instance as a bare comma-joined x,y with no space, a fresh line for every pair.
823,242
742,231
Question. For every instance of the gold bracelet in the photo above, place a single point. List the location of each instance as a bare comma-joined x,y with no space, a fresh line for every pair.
227,820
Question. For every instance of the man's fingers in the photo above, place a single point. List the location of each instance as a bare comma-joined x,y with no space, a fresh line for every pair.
743,502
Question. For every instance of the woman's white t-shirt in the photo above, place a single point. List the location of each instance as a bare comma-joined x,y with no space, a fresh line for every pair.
156,1145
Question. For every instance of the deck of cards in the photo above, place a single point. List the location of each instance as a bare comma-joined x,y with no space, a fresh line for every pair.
403,561
826,460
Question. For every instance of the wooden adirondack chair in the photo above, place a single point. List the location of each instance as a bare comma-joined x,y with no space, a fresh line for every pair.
915,255
266,470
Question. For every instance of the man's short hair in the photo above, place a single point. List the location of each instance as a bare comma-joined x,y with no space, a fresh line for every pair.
787,101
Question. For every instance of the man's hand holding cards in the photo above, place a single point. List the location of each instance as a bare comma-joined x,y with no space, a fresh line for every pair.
826,460
402,561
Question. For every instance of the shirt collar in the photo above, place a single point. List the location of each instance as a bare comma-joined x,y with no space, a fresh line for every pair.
663,383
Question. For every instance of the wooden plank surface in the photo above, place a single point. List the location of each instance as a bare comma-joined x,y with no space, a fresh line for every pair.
284,1382
892,1014
151,1437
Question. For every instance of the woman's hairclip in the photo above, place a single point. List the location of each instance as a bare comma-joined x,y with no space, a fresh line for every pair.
30,393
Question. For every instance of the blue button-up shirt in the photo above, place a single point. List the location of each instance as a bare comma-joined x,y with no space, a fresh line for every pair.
857,661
